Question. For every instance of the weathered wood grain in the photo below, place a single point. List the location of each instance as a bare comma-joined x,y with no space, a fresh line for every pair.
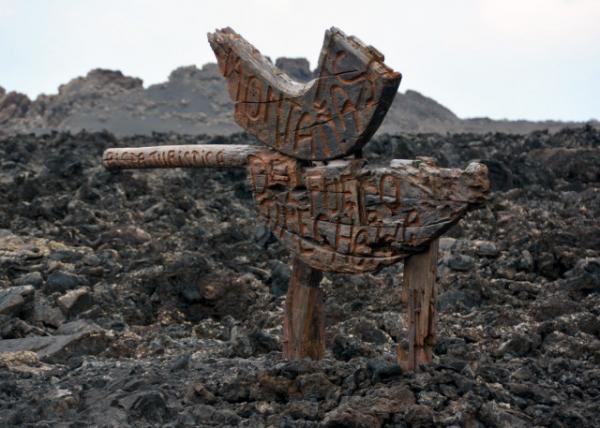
349,217
330,117
421,290
304,322
190,156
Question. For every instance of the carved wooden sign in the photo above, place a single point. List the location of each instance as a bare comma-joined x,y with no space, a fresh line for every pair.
349,217
330,117
339,216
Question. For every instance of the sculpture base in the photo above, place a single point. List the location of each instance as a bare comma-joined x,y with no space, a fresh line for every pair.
304,320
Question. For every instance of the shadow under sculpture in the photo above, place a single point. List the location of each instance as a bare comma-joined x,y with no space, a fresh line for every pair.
320,198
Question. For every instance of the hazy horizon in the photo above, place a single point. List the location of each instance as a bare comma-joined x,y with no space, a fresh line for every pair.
531,59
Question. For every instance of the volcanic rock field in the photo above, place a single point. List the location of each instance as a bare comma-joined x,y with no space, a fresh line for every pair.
155,298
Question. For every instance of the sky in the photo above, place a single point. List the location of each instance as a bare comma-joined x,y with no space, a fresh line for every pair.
513,59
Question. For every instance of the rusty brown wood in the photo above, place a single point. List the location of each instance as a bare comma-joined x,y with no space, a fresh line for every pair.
342,216
420,284
330,117
304,322
349,217
190,156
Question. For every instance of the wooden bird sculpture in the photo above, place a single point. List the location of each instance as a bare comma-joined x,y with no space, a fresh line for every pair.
314,189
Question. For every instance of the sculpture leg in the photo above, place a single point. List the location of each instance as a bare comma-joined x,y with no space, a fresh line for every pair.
421,293
304,322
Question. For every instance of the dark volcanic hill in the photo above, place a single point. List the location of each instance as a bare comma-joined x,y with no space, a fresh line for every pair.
195,101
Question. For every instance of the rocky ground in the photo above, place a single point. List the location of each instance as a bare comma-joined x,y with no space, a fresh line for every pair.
154,298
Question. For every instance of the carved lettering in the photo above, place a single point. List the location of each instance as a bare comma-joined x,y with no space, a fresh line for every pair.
253,98
327,118
389,190
220,157
354,216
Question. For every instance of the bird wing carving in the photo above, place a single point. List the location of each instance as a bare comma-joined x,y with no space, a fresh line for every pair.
329,117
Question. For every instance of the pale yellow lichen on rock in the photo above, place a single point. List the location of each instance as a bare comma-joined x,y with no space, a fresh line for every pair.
23,361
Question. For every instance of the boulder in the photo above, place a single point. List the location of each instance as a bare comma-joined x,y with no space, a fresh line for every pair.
61,280
31,278
13,299
75,339
585,276
486,248
46,313
75,300
13,105
372,409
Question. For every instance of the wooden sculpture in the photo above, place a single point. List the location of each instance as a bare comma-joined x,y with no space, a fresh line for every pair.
317,194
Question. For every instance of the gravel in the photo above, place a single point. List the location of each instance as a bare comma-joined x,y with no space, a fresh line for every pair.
154,298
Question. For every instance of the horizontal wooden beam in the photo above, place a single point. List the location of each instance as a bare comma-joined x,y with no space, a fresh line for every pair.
184,156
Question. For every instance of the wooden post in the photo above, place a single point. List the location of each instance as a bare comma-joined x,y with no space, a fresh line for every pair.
421,293
304,322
